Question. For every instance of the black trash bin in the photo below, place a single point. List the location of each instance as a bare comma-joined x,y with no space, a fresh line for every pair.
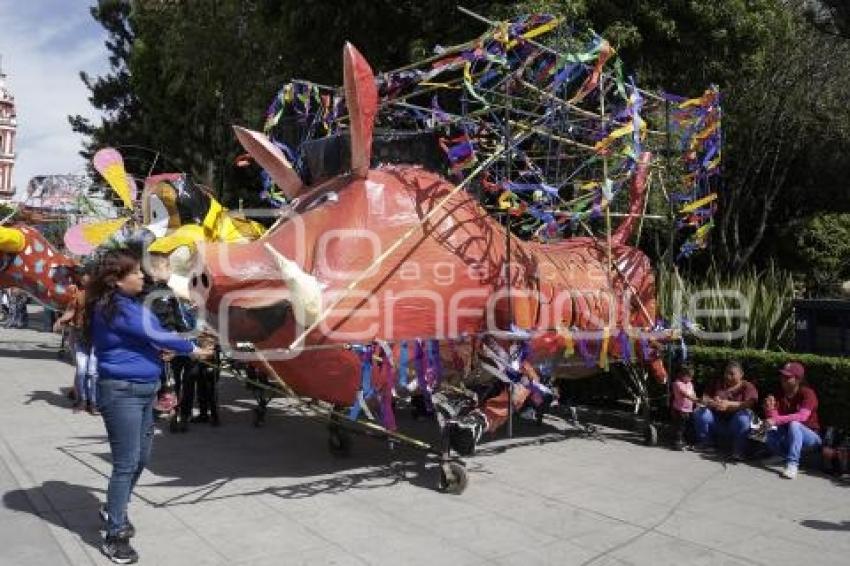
822,326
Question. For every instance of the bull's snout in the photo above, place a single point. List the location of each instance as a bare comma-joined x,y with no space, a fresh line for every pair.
200,283
242,290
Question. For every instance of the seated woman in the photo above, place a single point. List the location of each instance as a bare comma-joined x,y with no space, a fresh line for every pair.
792,418
727,413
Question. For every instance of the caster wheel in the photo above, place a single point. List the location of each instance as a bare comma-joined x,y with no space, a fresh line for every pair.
339,443
650,435
453,478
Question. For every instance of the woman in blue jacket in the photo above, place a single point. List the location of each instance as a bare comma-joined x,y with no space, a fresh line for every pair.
130,345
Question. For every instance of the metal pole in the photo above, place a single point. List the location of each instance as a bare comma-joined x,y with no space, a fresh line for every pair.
510,321
604,183
669,151
508,163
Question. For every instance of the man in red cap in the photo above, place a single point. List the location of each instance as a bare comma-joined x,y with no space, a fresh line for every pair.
792,418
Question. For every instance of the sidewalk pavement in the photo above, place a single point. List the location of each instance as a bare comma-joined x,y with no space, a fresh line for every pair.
244,495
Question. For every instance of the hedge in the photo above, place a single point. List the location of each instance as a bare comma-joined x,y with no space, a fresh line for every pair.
828,376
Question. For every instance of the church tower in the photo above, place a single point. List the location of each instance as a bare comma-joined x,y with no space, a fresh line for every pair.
8,125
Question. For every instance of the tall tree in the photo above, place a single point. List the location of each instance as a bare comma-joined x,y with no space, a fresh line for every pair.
112,94
183,72
787,128
830,16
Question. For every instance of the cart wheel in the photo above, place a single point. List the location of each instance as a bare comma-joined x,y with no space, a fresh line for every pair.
650,435
453,478
339,443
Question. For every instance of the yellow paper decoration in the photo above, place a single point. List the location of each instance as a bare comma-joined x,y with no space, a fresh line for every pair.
12,240
97,233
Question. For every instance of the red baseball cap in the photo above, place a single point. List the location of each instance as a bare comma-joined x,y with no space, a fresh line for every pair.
794,370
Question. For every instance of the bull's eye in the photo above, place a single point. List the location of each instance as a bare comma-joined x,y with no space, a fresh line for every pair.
205,281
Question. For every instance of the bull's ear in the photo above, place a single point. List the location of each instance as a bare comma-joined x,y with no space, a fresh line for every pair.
271,158
12,240
361,99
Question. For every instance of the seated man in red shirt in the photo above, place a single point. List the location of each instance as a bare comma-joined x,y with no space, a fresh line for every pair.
727,411
792,418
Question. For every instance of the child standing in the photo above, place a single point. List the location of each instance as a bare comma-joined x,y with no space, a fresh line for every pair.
165,305
85,361
682,406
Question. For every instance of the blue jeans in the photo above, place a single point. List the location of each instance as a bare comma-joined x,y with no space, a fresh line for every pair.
85,380
127,410
737,426
791,439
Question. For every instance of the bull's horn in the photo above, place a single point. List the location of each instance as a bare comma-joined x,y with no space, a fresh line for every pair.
12,240
361,99
305,290
270,158
180,285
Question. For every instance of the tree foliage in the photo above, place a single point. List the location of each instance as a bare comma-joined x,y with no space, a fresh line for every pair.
784,81
182,72
821,251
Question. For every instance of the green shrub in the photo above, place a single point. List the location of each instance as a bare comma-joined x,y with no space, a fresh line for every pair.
822,253
770,293
828,376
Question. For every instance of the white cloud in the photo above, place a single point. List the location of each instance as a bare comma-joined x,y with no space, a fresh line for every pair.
45,44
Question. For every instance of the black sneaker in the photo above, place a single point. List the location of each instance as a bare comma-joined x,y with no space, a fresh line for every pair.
117,548
129,529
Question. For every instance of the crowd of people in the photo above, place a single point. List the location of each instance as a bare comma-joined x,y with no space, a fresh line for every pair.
726,415
138,351
13,308
183,382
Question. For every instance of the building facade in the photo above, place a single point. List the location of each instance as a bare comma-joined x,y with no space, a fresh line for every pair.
8,125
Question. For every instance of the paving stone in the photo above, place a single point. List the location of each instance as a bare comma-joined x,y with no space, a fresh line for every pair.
241,495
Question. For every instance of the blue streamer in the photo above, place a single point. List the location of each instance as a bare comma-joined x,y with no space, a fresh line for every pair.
436,363
365,381
402,364
420,375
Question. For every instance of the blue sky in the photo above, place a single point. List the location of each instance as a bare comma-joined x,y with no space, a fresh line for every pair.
45,44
